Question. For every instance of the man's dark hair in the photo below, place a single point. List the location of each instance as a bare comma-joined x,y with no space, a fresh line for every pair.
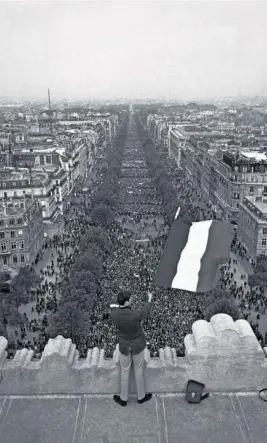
123,296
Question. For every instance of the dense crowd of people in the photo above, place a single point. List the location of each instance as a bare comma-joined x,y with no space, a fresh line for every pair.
132,266
141,231
248,298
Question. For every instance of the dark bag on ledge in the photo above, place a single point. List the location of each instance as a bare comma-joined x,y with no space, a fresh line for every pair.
194,392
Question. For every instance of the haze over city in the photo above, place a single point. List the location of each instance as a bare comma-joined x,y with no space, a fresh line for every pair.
133,221
175,50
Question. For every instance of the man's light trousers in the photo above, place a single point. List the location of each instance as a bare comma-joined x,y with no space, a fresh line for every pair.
138,364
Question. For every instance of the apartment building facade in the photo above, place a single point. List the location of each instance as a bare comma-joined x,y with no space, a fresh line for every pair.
50,161
177,139
252,224
225,180
21,232
21,184
5,138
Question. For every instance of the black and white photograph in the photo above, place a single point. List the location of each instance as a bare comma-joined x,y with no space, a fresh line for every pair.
133,221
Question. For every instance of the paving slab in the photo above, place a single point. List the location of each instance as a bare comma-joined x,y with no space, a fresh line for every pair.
166,418
38,420
111,423
212,421
253,413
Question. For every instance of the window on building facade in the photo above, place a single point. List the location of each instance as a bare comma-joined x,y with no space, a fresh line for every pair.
11,221
251,189
20,232
3,247
22,258
265,190
13,245
4,261
2,234
20,221
12,234
236,196
15,259
264,231
263,242
21,245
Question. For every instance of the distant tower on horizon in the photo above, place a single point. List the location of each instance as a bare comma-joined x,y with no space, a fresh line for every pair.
50,113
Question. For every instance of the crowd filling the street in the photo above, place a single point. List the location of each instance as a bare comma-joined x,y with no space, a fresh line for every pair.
137,235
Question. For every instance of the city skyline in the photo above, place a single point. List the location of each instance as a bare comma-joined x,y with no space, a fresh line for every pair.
110,50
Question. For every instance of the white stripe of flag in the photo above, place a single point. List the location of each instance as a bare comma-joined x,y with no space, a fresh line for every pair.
188,267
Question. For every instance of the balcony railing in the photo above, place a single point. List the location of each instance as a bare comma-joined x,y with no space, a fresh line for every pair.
6,252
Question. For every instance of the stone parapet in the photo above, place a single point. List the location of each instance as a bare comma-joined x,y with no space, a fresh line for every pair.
223,354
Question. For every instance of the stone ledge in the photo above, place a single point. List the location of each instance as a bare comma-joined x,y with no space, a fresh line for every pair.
223,354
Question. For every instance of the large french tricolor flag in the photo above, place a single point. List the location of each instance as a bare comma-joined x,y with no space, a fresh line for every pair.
192,255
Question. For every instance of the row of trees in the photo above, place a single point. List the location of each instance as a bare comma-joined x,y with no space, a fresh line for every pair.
161,178
104,201
13,293
81,287
217,302
259,278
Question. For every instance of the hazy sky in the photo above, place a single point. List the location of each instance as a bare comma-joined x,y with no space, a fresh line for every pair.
133,49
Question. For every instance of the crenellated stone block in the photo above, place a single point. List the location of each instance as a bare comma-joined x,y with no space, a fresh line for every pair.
59,353
95,358
23,357
222,336
222,351
168,357
223,354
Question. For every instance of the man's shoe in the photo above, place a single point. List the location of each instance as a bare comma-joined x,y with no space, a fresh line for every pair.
146,398
119,400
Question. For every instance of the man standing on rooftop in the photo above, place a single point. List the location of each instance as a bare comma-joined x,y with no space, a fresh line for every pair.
132,343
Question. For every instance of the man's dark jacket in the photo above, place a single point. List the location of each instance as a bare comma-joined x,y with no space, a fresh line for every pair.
131,335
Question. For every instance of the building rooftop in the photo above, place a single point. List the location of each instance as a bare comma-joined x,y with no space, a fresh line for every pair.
258,156
260,204
37,149
12,207
166,418
13,174
193,128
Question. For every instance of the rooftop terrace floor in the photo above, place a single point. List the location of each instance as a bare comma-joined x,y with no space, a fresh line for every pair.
166,418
